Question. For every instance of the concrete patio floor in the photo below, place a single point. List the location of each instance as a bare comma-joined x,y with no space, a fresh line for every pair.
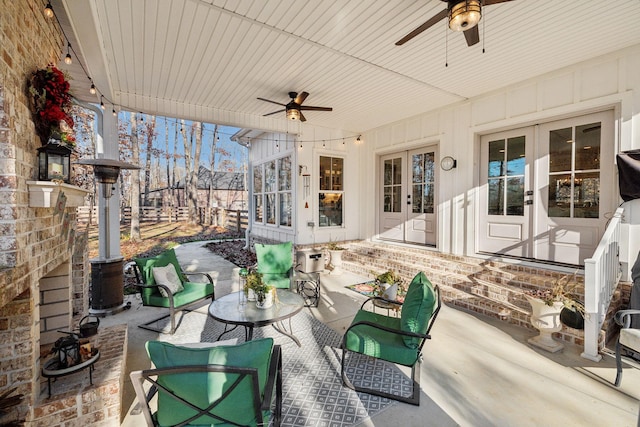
476,370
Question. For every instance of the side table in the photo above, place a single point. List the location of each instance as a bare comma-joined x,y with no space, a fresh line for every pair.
308,286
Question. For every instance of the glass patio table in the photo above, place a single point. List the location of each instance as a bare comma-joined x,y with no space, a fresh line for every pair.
232,312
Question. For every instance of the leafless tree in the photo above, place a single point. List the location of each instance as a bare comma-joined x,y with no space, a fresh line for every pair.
135,182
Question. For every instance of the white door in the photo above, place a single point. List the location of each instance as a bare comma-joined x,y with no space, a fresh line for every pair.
506,189
544,191
408,185
576,188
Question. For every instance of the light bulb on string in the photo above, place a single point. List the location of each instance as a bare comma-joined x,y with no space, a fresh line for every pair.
101,103
67,59
92,89
358,140
113,111
48,10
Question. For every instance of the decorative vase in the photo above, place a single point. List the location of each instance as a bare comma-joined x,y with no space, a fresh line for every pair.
336,261
251,295
546,319
390,291
265,302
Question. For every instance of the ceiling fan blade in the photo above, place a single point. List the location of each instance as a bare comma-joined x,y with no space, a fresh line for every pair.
434,19
302,117
310,108
273,102
472,35
490,2
301,97
274,112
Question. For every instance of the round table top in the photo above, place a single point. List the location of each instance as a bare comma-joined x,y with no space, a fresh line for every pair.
229,310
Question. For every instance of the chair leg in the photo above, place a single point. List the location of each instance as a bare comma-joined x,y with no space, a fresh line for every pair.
172,315
414,399
618,364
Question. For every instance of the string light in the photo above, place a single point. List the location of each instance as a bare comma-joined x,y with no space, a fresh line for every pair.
48,10
67,59
113,111
101,103
92,89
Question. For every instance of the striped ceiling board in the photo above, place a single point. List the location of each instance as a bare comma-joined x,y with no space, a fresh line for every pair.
213,58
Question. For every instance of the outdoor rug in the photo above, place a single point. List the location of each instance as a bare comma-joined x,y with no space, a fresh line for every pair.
313,394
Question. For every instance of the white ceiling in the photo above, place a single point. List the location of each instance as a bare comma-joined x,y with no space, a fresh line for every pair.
170,57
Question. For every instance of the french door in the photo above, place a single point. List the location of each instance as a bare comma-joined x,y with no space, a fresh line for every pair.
546,191
408,187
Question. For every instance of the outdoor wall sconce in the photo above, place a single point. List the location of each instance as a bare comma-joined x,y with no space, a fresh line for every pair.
54,163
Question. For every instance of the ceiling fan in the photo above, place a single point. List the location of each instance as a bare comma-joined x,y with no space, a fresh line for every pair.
463,15
294,107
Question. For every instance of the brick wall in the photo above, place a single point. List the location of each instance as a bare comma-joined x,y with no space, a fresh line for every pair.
32,244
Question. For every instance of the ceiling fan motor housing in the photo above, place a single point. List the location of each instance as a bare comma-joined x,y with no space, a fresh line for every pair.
464,14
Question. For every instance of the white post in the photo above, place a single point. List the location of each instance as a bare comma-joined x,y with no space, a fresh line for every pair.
591,304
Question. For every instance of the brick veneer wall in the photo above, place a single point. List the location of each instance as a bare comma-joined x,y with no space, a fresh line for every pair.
31,240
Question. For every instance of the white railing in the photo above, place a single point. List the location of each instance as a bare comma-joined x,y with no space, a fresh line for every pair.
601,275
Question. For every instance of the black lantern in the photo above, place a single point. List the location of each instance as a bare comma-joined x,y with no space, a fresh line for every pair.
54,162
68,349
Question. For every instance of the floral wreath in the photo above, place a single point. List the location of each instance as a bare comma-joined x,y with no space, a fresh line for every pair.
51,101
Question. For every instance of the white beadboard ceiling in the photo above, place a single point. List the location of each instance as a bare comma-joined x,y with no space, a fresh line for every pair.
209,59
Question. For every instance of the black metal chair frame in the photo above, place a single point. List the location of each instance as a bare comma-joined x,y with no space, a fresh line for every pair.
622,318
259,404
414,399
173,309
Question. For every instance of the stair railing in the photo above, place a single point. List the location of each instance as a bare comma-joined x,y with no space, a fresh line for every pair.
601,276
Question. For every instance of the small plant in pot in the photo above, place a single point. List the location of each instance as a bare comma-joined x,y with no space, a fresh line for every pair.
563,291
389,285
335,251
263,293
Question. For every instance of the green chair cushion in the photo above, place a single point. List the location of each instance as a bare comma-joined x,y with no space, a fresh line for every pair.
275,262
203,389
192,292
146,269
417,309
377,343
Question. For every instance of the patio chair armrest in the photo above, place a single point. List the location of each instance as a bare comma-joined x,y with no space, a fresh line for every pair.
137,380
132,267
386,329
623,317
274,377
199,274
388,301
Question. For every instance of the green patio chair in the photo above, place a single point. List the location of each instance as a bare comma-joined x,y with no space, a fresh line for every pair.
398,340
275,263
227,385
628,340
175,292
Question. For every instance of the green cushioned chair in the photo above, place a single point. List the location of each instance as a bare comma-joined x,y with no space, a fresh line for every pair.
225,385
275,263
192,293
396,340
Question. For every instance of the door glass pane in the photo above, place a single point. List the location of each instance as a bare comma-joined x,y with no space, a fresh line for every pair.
388,172
586,195
396,198
388,199
560,145
496,158
515,156
417,162
560,196
496,191
417,198
588,146
397,171
428,201
515,196
429,167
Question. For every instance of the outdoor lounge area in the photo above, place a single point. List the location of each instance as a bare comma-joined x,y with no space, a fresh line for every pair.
476,370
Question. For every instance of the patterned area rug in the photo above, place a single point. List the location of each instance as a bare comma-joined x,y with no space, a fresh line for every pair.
313,394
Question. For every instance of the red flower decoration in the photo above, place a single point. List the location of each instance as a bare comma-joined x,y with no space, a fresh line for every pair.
51,101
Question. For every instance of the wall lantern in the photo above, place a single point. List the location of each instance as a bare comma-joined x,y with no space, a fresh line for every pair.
54,163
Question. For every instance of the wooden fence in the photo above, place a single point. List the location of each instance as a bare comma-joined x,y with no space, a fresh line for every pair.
230,219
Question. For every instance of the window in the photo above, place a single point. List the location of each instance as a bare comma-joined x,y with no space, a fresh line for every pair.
331,195
272,192
506,171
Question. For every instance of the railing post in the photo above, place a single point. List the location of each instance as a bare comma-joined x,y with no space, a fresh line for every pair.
591,303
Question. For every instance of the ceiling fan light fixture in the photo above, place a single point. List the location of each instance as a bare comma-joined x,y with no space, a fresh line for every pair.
464,14
293,114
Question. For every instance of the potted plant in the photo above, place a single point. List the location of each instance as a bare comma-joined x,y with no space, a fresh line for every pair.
262,293
335,252
389,285
547,305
